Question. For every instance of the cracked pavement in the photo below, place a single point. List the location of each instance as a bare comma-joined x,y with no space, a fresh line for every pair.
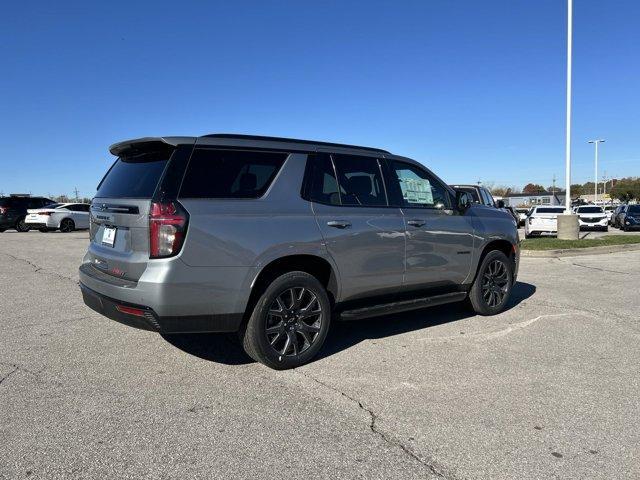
547,389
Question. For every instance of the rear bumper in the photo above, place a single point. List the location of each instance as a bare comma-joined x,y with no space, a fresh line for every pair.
180,299
150,320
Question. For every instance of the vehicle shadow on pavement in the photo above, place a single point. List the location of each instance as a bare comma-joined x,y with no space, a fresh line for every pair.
226,349
346,334
222,348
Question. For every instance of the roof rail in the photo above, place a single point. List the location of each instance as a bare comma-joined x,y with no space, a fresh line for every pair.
291,140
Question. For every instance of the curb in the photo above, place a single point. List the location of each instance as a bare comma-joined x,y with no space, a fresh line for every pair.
577,252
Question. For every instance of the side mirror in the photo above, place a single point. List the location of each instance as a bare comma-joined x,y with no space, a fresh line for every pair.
500,204
463,200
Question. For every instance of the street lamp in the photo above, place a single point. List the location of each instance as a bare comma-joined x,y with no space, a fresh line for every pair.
568,225
596,142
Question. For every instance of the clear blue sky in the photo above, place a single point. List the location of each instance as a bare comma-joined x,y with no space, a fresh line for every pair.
473,89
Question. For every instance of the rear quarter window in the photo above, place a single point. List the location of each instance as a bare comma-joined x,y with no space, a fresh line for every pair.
213,173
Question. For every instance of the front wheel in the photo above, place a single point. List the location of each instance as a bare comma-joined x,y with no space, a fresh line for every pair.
491,289
289,322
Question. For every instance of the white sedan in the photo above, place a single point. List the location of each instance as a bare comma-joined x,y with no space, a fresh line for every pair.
65,217
542,221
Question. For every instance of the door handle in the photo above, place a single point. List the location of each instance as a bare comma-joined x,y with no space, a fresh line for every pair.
338,224
416,223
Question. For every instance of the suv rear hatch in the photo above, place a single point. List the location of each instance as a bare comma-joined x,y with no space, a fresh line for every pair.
135,206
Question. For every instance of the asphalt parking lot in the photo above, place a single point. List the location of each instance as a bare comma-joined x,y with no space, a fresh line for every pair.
547,389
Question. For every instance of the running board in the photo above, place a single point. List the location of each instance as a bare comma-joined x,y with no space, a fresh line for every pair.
403,306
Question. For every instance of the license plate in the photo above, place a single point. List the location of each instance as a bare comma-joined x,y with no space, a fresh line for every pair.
109,236
33,216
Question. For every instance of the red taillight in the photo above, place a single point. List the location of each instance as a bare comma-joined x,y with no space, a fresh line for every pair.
167,228
136,312
46,214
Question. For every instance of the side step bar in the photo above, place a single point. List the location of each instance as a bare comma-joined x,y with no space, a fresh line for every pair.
402,306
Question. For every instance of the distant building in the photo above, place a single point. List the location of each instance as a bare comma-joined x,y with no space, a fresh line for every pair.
530,200
602,198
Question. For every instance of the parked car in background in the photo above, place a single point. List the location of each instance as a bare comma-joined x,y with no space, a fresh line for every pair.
478,194
615,216
271,237
523,213
592,216
608,209
542,221
629,219
13,210
514,214
65,217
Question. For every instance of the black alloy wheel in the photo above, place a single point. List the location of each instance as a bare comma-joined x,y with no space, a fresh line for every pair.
67,225
495,283
491,288
22,226
293,321
289,321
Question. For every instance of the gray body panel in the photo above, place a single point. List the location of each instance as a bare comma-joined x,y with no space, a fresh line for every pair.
230,241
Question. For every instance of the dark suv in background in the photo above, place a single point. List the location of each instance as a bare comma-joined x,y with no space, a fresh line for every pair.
274,237
13,210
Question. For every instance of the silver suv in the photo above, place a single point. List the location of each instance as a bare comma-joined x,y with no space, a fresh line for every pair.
274,238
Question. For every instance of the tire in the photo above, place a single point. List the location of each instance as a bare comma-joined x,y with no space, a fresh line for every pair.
67,225
21,226
43,230
605,229
2,230
288,344
499,278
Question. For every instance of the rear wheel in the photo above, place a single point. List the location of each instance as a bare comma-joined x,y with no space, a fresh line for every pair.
3,230
289,322
67,225
22,226
491,289
43,230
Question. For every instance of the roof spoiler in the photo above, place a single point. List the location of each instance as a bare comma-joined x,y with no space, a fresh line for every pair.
146,144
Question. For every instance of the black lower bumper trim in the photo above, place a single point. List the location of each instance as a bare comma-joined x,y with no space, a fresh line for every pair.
151,321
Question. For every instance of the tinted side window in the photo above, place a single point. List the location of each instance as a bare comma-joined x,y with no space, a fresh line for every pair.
323,187
419,189
230,174
360,180
488,199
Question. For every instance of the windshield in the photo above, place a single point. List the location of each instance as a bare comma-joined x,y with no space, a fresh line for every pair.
549,210
633,209
135,177
590,210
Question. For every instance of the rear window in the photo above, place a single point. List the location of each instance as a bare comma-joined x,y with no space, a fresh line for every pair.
549,210
473,193
134,176
590,210
230,173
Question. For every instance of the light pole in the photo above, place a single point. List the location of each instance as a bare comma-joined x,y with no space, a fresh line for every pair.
567,158
568,227
596,142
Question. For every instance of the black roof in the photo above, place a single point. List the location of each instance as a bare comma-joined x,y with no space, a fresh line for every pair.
235,136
